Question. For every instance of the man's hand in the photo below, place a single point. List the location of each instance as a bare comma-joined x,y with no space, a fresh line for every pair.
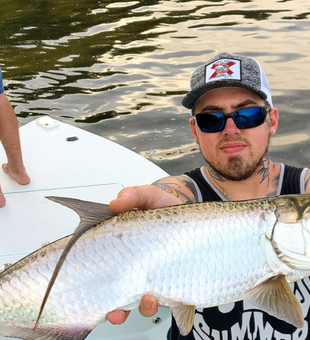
148,307
142,197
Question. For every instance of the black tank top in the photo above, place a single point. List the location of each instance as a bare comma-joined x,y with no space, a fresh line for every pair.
290,184
240,320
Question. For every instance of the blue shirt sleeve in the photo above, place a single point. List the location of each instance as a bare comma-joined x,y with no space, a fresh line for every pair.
1,82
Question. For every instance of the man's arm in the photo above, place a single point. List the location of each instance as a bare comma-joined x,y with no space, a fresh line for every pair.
178,186
164,192
307,182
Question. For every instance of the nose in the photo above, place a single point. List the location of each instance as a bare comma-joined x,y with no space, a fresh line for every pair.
230,127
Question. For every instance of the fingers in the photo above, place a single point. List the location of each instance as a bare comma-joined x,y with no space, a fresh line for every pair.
142,197
139,197
127,199
118,317
148,306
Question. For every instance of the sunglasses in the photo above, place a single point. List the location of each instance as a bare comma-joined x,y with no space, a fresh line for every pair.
247,118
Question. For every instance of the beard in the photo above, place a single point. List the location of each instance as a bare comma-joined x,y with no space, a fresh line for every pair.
237,168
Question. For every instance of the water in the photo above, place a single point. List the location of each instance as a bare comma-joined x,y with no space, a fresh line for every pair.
120,69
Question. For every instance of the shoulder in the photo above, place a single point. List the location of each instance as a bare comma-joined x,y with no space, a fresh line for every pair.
307,182
179,186
296,179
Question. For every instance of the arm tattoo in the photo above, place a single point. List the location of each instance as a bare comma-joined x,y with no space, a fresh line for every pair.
190,185
176,189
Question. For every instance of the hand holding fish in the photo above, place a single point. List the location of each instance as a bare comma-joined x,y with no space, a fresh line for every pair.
143,197
148,307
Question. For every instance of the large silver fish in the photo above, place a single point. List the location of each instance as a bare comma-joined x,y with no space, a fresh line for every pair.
188,256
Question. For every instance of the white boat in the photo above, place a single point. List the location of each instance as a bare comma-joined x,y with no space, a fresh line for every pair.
63,160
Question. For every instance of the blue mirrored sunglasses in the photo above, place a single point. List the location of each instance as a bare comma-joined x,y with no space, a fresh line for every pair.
247,118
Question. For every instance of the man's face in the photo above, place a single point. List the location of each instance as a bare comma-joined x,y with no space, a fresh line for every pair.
234,153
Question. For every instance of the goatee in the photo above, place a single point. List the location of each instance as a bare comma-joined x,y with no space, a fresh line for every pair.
237,168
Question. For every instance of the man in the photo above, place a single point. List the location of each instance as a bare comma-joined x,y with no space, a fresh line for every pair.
232,120
9,136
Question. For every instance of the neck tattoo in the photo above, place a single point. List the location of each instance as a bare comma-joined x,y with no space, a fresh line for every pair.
263,169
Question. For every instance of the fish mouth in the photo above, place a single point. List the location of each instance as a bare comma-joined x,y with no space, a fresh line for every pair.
232,147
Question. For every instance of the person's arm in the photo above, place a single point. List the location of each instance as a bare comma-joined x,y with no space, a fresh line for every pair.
164,192
307,182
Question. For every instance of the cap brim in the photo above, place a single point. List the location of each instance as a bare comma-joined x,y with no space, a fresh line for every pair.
190,100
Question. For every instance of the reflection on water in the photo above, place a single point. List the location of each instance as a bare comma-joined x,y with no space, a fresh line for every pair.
120,69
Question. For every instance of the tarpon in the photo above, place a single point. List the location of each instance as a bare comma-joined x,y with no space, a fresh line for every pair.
188,256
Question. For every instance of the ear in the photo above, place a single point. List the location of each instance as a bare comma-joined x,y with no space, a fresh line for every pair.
274,120
192,125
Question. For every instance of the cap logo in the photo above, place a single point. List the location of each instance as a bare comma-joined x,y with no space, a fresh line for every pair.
223,69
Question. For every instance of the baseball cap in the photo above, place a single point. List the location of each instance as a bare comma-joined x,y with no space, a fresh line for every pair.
227,70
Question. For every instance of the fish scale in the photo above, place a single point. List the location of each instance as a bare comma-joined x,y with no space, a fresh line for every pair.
188,256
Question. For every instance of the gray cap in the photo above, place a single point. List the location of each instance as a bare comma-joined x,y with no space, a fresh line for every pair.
227,70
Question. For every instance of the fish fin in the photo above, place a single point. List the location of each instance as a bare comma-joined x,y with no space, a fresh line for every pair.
184,316
275,297
56,333
90,214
